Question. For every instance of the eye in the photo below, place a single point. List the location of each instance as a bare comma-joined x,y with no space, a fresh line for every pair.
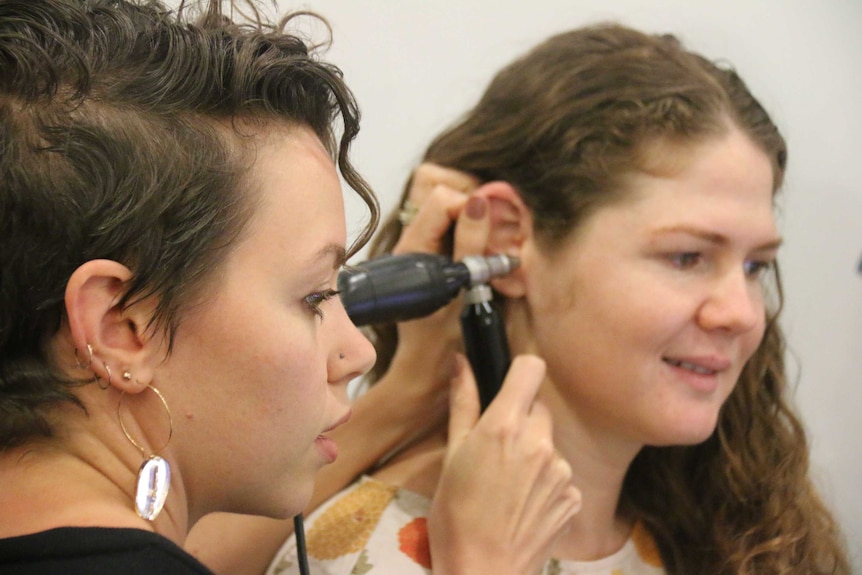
685,260
755,269
316,299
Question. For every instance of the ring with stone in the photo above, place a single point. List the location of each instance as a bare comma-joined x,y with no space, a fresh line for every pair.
407,213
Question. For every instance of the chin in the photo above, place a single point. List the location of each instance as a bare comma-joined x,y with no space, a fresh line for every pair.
692,431
296,503
290,499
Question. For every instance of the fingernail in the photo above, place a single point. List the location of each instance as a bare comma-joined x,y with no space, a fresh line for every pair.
476,207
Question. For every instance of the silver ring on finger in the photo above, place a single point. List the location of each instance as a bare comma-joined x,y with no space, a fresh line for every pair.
407,213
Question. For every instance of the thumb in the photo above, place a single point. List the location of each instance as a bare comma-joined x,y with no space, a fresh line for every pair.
464,408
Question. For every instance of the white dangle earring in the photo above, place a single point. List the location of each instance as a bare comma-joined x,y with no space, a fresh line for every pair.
154,475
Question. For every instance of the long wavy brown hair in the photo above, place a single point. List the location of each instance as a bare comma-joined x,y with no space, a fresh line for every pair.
563,124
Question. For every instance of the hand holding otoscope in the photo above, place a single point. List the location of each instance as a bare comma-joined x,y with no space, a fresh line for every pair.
404,287
409,286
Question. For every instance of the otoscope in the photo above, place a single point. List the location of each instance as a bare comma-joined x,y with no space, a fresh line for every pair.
409,286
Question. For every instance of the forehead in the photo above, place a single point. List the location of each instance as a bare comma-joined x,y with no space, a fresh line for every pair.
297,201
664,156
721,186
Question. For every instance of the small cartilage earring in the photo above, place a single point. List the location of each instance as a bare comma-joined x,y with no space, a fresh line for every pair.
154,475
127,376
89,358
109,382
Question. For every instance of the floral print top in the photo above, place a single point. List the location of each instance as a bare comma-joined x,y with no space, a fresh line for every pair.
375,528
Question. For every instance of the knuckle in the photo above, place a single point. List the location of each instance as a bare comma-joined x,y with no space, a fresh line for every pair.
543,450
564,469
572,499
505,432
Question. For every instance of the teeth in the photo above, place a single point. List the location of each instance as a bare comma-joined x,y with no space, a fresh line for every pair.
691,367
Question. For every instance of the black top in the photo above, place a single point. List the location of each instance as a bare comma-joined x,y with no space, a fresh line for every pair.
95,551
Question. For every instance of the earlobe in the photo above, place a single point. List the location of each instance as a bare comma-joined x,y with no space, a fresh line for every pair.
511,228
97,322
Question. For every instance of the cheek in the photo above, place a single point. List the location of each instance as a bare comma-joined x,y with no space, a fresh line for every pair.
752,340
289,365
265,360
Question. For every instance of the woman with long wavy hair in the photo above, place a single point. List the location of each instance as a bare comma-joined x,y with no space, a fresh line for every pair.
635,181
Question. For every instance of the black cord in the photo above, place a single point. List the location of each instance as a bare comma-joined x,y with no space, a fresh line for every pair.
299,532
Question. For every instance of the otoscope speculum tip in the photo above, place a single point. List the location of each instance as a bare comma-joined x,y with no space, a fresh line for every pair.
484,268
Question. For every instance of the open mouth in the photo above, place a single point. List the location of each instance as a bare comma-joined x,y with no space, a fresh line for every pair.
690,366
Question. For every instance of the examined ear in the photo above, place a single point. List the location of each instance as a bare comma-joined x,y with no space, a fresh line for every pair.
96,319
511,228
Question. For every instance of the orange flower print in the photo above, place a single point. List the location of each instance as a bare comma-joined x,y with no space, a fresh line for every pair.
347,524
413,542
646,546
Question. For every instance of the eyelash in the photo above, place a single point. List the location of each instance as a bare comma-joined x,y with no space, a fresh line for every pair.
684,260
315,300
753,268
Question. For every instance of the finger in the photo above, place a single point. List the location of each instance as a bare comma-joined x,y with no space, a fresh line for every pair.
566,503
473,228
434,218
464,405
564,507
428,176
540,420
519,388
555,497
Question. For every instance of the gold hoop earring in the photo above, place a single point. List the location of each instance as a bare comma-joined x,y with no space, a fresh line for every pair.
154,475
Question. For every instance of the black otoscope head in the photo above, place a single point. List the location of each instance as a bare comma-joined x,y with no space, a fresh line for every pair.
409,286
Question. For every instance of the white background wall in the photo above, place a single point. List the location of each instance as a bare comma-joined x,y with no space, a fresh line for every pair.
415,66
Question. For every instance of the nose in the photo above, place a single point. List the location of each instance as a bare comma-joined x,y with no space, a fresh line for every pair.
734,304
352,355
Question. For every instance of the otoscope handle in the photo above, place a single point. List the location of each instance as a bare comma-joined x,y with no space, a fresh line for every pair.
485,342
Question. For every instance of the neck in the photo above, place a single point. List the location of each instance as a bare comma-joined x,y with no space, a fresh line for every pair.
83,476
599,461
599,458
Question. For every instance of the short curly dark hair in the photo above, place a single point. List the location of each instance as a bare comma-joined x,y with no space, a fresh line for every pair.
116,142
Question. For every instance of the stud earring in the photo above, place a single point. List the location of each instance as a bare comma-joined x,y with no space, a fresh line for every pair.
154,475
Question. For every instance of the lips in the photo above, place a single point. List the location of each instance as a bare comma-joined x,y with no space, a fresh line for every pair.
327,446
700,373
699,365
691,366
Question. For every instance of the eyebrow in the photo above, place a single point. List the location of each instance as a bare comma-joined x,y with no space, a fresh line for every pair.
332,251
714,238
